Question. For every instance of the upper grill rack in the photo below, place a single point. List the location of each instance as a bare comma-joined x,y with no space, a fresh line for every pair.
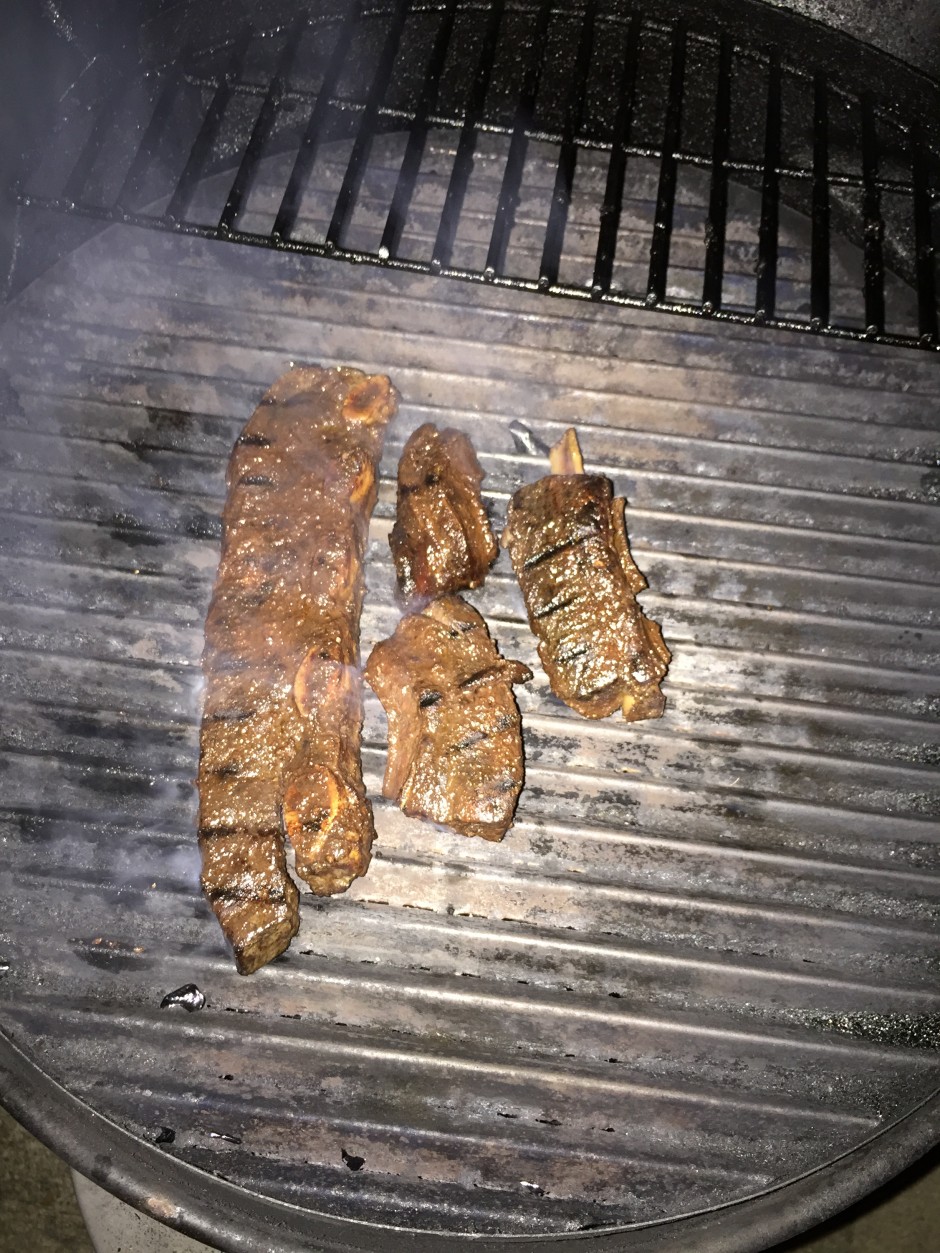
659,131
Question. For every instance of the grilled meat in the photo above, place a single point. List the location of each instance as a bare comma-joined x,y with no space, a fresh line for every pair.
568,543
283,703
442,540
454,731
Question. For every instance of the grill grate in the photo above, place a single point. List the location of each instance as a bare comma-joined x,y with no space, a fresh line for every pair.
703,961
700,974
680,99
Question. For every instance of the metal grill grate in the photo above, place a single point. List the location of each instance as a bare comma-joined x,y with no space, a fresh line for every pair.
694,993
703,962
723,133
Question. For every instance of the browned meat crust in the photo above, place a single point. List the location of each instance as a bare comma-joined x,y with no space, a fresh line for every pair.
454,732
442,540
283,702
568,543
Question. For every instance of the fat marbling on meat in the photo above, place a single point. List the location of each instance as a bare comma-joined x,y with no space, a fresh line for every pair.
279,749
567,539
454,732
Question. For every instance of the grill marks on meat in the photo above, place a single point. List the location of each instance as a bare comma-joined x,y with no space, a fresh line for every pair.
454,730
568,543
283,703
442,540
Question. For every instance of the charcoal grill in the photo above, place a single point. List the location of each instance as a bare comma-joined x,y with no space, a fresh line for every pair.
692,998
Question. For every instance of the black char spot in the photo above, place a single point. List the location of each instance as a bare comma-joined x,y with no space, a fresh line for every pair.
203,526
112,961
189,996
168,419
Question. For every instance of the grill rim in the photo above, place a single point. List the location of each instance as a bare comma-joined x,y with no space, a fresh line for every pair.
196,1202
312,1220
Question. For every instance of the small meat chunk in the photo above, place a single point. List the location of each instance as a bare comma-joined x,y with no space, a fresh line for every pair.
279,748
567,539
442,540
454,731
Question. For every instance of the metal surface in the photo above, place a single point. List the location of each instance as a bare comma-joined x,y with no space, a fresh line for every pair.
908,29
704,962
646,89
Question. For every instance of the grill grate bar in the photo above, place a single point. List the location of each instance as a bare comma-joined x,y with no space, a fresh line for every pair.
261,132
418,136
289,209
718,198
617,167
830,678
768,233
356,167
466,145
508,200
923,238
568,154
693,860
800,508
665,199
195,165
874,227
795,361
819,256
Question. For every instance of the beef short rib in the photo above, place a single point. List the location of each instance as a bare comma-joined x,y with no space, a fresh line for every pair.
281,726
454,731
568,543
442,540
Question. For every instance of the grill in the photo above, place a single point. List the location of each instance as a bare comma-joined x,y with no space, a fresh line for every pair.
692,998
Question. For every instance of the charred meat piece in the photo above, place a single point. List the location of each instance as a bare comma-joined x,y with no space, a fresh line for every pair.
454,731
279,747
442,540
568,543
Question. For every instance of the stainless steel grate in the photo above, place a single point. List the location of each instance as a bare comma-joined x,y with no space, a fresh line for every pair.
703,963
668,93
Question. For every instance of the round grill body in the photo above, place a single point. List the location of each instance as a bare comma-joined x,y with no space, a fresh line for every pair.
692,997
